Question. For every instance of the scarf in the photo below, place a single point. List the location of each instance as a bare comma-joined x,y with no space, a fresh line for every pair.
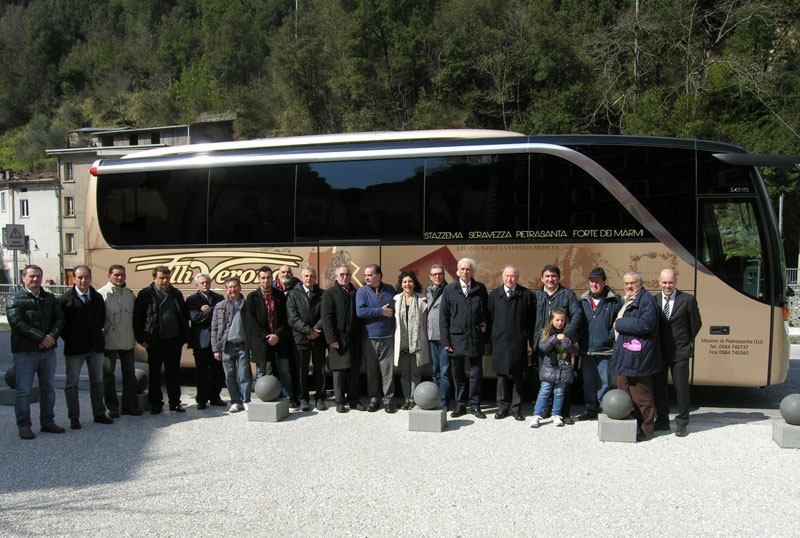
409,326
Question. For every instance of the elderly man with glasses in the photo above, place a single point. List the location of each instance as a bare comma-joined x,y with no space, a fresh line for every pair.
637,354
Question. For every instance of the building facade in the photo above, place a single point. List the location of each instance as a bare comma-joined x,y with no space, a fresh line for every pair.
30,200
89,144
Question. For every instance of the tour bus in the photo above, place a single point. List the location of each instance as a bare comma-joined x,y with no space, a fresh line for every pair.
407,200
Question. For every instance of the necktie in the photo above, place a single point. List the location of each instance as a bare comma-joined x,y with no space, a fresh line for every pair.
510,293
666,307
309,294
466,289
85,297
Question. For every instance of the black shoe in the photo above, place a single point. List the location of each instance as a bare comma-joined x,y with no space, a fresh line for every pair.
219,402
568,420
102,419
459,412
340,408
373,406
358,406
661,425
303,405
682,431
201,405
518,416
74,424
501,414
390,408
586,416
113,414
477,413
134,413
177,408
294,404
156,409
321,405
406,406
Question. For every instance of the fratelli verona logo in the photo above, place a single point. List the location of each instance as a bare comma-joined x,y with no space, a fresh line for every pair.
219,264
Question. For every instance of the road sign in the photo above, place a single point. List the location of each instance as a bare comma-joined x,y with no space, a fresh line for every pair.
15,237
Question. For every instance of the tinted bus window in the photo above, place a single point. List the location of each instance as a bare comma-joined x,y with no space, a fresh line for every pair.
475,194
662,179
566,199
157,208
360,200
251,204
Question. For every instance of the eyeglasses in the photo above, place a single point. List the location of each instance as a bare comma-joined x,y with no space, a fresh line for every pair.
631,283
437,274
345,274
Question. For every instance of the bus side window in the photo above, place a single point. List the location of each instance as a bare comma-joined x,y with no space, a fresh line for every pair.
731,246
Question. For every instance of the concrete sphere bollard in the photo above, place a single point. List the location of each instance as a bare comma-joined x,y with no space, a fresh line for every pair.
426,395
617,404
790,409
142,380
11,377
268,388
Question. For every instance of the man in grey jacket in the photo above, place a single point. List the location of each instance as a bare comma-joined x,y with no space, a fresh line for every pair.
227,343
119,340
440,361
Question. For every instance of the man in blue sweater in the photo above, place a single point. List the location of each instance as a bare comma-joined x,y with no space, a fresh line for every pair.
374,309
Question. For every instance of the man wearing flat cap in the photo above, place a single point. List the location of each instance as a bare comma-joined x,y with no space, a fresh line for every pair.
600,305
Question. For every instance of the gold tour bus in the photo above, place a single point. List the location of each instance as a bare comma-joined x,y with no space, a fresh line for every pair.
407,200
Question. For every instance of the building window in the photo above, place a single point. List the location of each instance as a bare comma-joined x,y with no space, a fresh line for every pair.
133,140
3,202
69,206
68,177
155,138
24,210
69,243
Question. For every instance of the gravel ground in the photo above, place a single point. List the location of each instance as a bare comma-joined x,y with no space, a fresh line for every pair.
207,473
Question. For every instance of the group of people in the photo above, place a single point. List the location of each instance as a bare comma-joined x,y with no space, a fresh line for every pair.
545,335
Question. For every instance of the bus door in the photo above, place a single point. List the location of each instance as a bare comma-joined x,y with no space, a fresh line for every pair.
733,347
355,254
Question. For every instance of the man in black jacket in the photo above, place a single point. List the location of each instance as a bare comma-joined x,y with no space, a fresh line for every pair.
342,333
210,376
304,311
36,322
679,324
85,316
267,333
161,326
462,322
551,295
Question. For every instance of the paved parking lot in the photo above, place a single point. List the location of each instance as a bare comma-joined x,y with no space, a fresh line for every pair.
207,473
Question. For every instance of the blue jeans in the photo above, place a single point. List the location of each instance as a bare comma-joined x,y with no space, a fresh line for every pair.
28,364
235,361
544,393
440,366
94,362
595,381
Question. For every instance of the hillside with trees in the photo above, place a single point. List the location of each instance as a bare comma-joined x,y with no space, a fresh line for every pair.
724,70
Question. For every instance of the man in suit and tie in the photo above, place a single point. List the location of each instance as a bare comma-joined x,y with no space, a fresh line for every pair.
210,375
680,323
511,309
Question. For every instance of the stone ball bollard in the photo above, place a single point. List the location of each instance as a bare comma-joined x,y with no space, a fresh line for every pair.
11,377
426,395
268,388
790,409
142,379
617,404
